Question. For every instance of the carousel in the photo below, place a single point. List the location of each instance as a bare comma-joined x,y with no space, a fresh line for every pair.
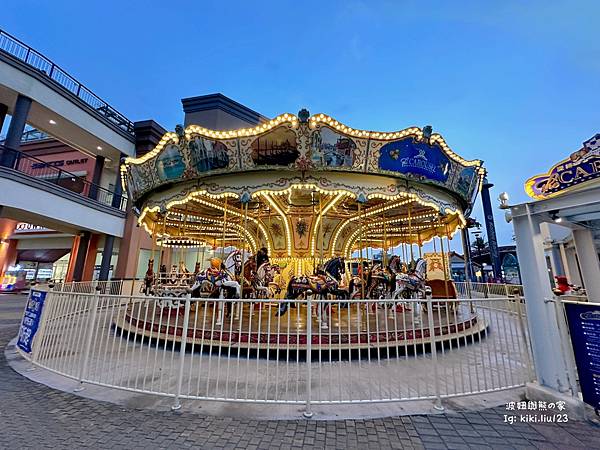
308,224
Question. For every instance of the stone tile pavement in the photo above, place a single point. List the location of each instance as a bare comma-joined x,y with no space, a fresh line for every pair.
35,416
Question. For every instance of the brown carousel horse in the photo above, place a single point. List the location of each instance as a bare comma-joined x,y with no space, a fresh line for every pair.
326,282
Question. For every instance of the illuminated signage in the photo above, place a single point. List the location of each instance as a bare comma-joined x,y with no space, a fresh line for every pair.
24,227
59,163
581,167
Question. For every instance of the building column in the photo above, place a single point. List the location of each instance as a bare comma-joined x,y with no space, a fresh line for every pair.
557,266
588,263
129,248
563,261
15,130
109,242
543,326
8,247
117,200
3,111
90,258
82,245
98,168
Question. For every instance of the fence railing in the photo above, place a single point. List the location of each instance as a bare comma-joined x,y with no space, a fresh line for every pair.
318,352
45,172
17,49
468,289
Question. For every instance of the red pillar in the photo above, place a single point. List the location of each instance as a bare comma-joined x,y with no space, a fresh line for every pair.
90,258
72,259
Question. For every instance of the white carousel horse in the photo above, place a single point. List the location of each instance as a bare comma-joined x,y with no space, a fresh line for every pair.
412,284
219,282
262,279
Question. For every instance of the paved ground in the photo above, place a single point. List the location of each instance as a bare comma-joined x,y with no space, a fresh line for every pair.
35,416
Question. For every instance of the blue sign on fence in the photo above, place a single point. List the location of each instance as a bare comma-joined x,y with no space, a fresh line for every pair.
31,320
584,324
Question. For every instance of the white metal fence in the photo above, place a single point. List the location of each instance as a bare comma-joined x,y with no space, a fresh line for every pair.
320,351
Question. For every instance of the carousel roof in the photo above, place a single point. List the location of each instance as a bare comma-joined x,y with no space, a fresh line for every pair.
302,185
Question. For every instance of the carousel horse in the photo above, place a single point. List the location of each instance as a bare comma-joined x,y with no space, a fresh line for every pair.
149,278
325,282
263,277
378,282
258,273
411,284
217,282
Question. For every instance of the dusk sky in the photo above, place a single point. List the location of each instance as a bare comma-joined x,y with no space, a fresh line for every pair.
514,85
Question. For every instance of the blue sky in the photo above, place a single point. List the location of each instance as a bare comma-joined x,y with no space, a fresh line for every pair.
513,83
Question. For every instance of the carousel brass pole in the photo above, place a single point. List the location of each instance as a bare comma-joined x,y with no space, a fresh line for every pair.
182,253
162,247
384,247
443,259
412,256
369,243
448,248
314,255
199,240
153,244
224,227
420,244
257,228
360,245
244,244
203,252
321,226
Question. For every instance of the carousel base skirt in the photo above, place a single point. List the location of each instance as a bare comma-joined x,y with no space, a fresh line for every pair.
261,328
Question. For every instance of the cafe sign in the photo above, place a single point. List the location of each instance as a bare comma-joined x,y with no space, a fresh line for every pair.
581,167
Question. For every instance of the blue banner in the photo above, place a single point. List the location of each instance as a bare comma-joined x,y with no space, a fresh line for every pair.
31,320
584,325
418,159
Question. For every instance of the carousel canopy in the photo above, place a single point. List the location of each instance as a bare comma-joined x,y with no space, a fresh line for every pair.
302,186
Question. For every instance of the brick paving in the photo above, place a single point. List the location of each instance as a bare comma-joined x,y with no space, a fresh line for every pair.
35,416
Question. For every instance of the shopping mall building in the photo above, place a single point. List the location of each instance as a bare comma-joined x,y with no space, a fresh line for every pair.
34,246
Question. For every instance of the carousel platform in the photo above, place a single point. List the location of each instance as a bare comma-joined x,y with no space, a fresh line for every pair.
256,326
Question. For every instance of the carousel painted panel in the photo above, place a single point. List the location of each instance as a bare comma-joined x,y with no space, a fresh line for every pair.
332,150
276,227
325,234
301,226
437,265
278,148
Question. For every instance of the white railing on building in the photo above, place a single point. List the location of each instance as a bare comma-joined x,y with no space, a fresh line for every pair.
320,352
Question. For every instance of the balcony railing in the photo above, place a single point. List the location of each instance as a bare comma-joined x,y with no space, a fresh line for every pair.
45,171
17,49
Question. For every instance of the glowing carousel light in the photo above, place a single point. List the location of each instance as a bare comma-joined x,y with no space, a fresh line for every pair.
180,242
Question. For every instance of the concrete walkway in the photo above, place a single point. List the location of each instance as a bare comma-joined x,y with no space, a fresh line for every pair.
35,416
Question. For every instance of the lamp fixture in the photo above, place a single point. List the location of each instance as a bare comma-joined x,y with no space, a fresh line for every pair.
503,197
554,216
52,122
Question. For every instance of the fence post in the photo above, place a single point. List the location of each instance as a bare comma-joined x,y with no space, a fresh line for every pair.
524,336
567,350
469,289
88,339
184,333
308,411
438,402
